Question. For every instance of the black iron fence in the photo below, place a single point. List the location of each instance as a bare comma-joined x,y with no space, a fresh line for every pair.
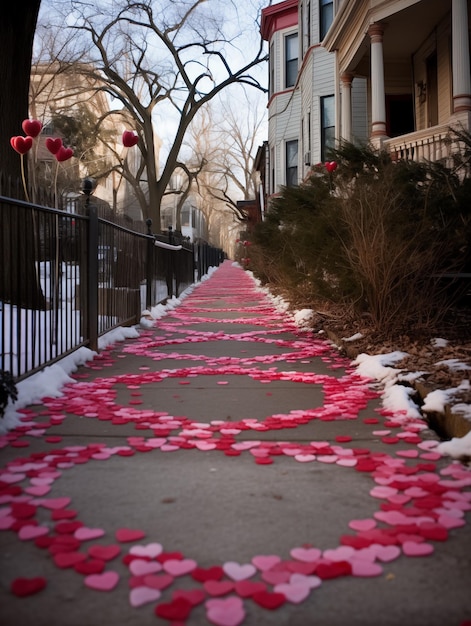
66,279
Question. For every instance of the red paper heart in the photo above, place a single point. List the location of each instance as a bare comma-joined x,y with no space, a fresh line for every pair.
93,566
64,154
248,588
326,571
22,587
21,144
331,166
68,559
53,144
178,609
31,127
106,553
269,600
194,596
130,138
23,510
212,573
127,534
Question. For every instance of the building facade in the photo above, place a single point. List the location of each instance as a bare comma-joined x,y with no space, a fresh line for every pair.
395,73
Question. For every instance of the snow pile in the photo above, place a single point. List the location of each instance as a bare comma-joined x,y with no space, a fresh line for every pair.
303,318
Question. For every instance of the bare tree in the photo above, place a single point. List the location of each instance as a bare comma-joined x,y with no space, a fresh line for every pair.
149,59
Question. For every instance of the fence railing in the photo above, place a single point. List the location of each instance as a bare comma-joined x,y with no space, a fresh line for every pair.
66,279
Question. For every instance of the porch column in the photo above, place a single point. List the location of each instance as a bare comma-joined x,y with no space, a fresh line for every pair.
346,124
460,53
378,101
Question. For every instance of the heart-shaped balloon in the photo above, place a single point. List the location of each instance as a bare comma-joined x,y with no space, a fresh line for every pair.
130,138
331,166
64,154
53,144
21,144
32,127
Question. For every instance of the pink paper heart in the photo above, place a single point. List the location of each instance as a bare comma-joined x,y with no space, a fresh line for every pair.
307,555
412,548
365,569
294,593
54,503
342,553
143,595
32,532
124,535
362,524
151,550
176,567
273,577
313,582
86,534
38,490
102,582
265,562
225,612
305,458
238,571
386,553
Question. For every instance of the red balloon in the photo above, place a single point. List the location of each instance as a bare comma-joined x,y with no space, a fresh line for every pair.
32,127
64,154
21,144
130,138
331,166
53,145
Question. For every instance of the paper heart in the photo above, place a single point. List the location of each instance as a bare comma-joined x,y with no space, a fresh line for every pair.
21,144
129,138
331,166
124,535
64,154
265,562
211,573
273,577
176,567
143,595
85,534
238,571
158,581
38,490
106,581
365,569
342,553
31,127
247,588
54,503
53,144
32,532
311,581
412,548
65,560
194,596
308,555
23,587
293,592
226,612
218,587
327,571
362,524
151,550
139,567
176,610
93,566
269,600
105,553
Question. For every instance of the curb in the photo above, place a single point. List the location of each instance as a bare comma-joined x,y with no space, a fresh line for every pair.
447,425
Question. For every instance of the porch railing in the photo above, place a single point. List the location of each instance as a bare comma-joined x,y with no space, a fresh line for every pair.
66,279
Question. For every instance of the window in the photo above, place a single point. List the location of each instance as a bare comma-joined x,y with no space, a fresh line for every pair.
291,59
292,163
327,125
326,15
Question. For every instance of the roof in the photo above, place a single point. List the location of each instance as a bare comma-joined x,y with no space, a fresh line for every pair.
278,16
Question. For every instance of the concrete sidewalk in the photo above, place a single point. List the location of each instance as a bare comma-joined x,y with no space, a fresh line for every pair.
227,468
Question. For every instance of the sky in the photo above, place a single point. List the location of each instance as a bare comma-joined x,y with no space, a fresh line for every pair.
238,21
378,368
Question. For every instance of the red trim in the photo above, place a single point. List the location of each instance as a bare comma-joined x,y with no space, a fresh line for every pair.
277,17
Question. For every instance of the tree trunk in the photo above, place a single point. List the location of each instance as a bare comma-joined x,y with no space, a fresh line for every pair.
19,284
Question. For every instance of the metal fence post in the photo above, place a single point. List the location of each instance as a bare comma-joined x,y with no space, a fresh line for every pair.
149,264
92,276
